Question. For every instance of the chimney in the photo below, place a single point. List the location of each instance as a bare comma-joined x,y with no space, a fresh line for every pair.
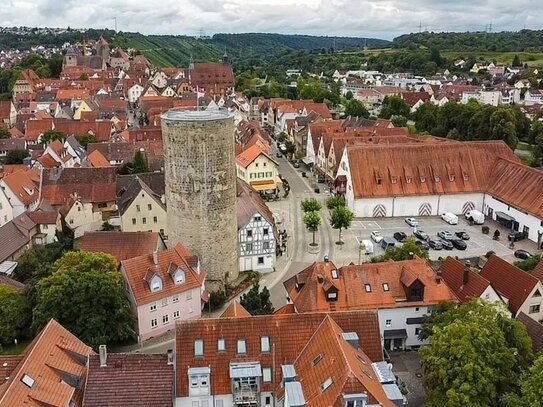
155,258
411,255
438,277
465,278
326,259
170,357
103,355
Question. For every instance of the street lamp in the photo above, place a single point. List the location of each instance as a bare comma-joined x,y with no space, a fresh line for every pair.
361,246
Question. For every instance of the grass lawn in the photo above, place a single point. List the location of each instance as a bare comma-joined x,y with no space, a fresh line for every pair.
15,349
531,58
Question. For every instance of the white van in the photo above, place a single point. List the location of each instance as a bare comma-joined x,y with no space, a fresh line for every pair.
477,217
450,218
368,246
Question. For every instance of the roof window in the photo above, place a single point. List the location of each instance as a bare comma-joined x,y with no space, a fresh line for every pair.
334,274
317,359
386,287
367,287
327,383
26,379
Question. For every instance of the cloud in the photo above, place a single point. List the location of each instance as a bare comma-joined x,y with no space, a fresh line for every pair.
372,18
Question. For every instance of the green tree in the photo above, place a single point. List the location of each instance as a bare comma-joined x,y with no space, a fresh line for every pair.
4,133
312,221
15,156
291,147
86,295
530,386
399,121
86,138
52,135
257,302
356,108
282,137
310,205
37,262
503,127
403,252
15,315
529,264
394,106
335,201
516,61
341,218
349,95
137,166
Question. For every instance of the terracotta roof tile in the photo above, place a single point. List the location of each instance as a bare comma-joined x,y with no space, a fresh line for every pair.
249,203
24,184
235,310
5,280
129,379
453,271
137,268
97,160
42,217
121,245
535,330
538,271
8,363
34,128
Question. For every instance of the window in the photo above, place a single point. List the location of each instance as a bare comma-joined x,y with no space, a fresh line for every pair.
152,307
379,181
408,180
164,302
534,309
266,246
317,359
537,293
258,218
155,219
156,284
416,292
265,231
367,287
422,179
133,221
388,322
248,247
417,309
150,207
242,349
188,295
266,375
249,233
198,347
267,400
437,178
175,298
327,383
154,323
221,345
417,331
332,296
137,208
451,177
78,208
144,220
165,319
176,314
394,180
334,274
179,276
386,287
264,344
260,260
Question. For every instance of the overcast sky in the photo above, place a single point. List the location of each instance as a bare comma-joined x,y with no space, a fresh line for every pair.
372,18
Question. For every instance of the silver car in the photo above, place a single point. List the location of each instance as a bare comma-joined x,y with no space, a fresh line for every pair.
445,235
411,222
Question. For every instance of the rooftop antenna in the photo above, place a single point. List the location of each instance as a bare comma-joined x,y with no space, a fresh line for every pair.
420,26
490,27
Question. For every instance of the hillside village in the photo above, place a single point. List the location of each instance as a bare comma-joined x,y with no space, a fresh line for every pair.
87,166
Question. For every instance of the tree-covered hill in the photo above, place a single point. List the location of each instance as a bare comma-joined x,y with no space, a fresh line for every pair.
524,40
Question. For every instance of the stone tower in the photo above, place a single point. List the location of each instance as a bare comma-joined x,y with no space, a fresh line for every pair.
200,172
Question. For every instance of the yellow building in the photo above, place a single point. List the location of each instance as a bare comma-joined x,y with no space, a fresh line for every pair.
258,169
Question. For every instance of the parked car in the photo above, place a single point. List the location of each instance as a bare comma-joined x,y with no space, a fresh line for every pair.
296,164
446,244
450,218
422,244
387,243
459,244
462,235
421,234
516,236
399,236
411,222
376,236
445,235
522,254
278,155
475,216
435,244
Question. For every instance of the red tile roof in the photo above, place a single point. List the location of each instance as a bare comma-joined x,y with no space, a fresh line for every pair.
121,245
8,364
129,379
97,160
249,155
235,310
538,271
509,281
138,269
24,184
41,217
289,333
102,129
535,330
34,128
388,283
453,271
208,74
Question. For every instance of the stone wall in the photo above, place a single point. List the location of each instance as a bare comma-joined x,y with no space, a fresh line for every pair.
200,175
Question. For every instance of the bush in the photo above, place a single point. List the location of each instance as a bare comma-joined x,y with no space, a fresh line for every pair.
216,300
489,253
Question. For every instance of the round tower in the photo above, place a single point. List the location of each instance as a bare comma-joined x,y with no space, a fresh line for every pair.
200,174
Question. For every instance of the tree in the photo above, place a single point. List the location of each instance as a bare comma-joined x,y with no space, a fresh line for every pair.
356,108
529,264
475,355
86,138
282,137
52,135
312,221
37,262
530,386
15,314
310,205
335,201
341,218
349,95
290,147
516,61
403,252
257,302
15,156
399,121
86,295
4,133
394,106
137,166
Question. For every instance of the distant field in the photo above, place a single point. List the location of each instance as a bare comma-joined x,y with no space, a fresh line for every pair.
531,58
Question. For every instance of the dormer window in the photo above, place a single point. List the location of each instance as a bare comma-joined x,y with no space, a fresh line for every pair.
437,178
466,177
451,177
422,178
332,296
394,180
155,283
179,276
379,181
408,180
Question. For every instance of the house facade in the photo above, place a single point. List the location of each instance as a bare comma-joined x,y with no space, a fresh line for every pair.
258,169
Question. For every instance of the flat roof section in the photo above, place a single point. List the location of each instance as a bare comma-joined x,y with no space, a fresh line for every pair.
191,115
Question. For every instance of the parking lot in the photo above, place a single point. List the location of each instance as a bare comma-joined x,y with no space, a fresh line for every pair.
477,245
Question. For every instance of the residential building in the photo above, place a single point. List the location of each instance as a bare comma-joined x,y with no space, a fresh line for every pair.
522,290
21,189
8,113
212,78
122,245
256,168
535,331
141,210
402,292
253,361
257,233
163,288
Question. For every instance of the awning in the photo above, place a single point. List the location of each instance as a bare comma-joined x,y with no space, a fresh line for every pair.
238,370
308,160
504,216
414,321
395,334
263,185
